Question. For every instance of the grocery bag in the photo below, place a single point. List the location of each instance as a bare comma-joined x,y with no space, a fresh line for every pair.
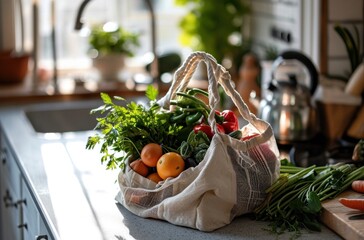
231,179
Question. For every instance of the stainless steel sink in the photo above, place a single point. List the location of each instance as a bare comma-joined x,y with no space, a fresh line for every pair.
66,117
62,120
63,117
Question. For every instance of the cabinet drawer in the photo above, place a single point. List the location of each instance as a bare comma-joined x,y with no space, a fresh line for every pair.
10,171
36,227
10,218
10,194
30,214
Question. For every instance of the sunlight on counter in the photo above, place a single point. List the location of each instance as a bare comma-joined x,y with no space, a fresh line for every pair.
82,191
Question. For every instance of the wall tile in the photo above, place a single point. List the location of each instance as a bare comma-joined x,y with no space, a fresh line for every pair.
282,15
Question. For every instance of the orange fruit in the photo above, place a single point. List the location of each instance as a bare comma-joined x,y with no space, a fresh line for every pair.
151,153
170,165
154,177
139,167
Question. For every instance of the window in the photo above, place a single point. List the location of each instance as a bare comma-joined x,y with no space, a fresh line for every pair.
72,45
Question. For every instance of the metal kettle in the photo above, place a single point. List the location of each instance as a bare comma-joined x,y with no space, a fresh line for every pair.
288,105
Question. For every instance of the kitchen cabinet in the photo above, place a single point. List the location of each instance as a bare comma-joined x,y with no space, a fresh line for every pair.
34,227
10,194
20,216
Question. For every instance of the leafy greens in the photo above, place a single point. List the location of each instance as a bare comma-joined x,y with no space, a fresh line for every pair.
124,130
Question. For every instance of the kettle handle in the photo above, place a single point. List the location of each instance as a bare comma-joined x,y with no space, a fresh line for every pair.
295,55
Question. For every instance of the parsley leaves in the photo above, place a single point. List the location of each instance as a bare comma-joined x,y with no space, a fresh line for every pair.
124,130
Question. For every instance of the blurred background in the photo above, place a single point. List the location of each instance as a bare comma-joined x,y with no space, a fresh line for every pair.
291,60
269,26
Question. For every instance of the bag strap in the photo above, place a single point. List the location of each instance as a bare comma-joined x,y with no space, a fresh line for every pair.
217,74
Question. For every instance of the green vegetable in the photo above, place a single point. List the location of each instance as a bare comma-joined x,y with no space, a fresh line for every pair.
125,130
193,119
236,134
200,154
179,117
189,102
294,200
151,93
192,101
194,91
185,150
195,146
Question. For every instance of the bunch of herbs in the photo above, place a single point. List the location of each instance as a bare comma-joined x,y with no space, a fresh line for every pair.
124,130
294,200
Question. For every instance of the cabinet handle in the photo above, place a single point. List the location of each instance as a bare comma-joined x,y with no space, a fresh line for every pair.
8,200
41,237
23,225
3,158
20,202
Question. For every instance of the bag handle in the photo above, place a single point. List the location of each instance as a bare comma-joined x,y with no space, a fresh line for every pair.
216,74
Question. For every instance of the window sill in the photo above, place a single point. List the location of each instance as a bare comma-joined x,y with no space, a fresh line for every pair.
75,88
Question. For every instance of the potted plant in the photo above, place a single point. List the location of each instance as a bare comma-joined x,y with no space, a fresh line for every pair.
216,28
339,101
110,45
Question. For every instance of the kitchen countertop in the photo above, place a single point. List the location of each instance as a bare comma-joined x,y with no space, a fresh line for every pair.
71,89
76,193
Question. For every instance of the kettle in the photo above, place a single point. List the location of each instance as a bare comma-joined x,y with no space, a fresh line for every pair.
287,106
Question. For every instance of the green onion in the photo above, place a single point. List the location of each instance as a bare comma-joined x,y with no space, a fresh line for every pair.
294,199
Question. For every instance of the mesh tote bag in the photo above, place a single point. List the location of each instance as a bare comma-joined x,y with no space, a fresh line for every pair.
230,181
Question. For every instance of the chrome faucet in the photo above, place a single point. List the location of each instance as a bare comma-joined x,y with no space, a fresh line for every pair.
154,70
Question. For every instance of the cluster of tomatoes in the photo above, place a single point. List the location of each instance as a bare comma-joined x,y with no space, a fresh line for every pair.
155,165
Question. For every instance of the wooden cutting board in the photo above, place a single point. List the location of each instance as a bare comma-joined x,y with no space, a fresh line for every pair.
342,219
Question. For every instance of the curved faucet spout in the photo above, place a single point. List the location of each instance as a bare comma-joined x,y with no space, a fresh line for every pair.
79,23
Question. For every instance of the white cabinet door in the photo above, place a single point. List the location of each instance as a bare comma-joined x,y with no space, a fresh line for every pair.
10,195
10,214
30,216
34,226
20,216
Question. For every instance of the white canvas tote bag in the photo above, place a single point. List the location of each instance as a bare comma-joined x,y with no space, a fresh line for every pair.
229,182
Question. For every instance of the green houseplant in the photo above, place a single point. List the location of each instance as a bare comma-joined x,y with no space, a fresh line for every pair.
110,45
215,27
352,45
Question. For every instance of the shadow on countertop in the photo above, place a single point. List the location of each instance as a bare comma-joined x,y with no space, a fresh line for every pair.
240,228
